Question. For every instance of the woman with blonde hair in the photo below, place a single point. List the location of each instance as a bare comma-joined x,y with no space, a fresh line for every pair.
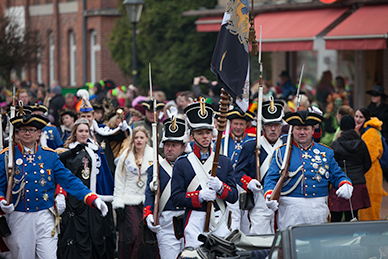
95,235
129,195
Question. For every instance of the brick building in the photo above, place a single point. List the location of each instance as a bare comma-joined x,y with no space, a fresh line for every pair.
74,35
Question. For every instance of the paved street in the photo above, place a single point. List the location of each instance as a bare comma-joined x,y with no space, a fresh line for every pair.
384,203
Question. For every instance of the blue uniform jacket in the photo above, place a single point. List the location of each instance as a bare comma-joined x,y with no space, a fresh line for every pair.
183,173
311,171
150,195
41,172
245,169
235,146
54,140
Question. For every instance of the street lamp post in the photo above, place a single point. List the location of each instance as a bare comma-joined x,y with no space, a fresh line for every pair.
134,8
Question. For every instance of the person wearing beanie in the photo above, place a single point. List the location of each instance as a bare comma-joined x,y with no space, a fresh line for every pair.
369,129
352,155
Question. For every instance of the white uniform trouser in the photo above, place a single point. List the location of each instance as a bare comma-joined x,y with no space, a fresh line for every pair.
239,217
169,246
261,217
296,211
195,224
31,235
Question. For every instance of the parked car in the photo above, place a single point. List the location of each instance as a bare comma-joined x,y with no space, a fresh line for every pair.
343,240
353,240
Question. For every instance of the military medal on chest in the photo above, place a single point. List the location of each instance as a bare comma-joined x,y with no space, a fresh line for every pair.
140,183
86,171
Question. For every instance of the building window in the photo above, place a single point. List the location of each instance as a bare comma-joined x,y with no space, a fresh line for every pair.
39,67
94,47
51,57
73,50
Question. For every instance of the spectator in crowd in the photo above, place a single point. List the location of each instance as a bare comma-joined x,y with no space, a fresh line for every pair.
342,111
67,119
378,108
287,88
129,195
339,86
23,96
70,101
56,103
185,99
324,89
84,233
352,155
214,90
41,97
369,129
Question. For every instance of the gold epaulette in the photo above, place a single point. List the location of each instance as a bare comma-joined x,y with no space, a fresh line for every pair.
4,150
48,149
60,150
251,134
324,145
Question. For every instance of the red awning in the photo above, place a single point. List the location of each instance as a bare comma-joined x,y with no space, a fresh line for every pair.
284,31
209,24
366,28
294,30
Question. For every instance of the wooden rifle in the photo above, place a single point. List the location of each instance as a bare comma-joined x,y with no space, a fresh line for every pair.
155,174
287,156
11,149
221,127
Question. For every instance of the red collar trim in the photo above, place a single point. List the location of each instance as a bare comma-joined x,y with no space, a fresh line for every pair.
197,151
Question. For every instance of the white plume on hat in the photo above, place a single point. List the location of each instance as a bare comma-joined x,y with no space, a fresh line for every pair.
84,94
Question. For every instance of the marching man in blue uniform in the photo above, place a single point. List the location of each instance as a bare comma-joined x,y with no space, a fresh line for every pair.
260,216
238,124
37,171
312,168
173,142
192,186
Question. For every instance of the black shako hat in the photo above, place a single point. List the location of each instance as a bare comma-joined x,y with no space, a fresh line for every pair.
377,90
33,120
174,130
272,111
303,118
149,105
26,110
237,113
199,115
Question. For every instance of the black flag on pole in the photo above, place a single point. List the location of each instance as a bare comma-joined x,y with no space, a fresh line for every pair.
230,61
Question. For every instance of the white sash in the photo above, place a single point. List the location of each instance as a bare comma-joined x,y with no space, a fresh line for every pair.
201,179
167,190
269,149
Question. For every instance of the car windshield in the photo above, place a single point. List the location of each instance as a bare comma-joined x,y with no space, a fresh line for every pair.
358,240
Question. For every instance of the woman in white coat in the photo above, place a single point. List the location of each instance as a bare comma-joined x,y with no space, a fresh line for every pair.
130,180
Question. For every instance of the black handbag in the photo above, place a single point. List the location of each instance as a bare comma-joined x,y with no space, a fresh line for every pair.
177,222
246,201
4,229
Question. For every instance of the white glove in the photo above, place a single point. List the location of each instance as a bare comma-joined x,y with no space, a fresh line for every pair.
154,185
273,205
207,194
60,202
161,114
172,112
345,191
214,183
100,204
255,186
7,209
150,223
124,125
315,110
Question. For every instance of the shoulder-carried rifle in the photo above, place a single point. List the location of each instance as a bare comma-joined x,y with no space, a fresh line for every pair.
287,155
11,149
221,127
155,173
